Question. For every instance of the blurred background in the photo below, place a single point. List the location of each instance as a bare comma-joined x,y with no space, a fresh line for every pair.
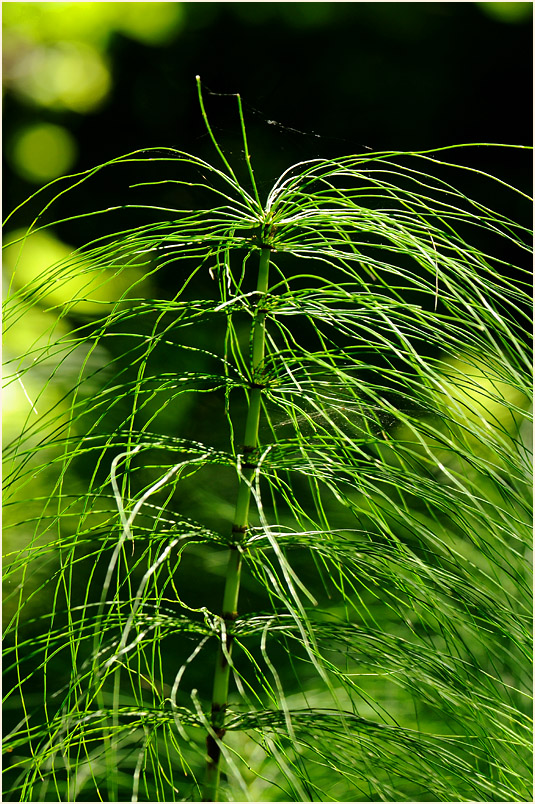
86,82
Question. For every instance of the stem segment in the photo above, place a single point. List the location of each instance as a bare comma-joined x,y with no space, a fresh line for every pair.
241,515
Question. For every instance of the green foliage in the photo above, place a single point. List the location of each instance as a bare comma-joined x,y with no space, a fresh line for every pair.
382,646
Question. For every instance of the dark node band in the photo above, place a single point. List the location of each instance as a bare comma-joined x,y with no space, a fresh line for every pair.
212,748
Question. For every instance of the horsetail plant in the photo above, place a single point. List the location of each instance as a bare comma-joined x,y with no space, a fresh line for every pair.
330,410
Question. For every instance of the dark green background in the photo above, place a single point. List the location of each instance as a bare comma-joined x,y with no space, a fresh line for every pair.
317,80
338,77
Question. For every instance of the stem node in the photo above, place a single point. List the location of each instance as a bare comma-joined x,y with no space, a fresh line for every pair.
232,581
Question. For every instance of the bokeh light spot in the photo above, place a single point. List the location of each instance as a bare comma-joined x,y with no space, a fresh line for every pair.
68,75
151,23
43,152
74,283
508,12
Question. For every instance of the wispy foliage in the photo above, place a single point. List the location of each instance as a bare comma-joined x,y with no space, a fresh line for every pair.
382,647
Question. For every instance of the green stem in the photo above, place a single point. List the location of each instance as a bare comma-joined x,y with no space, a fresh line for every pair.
232,582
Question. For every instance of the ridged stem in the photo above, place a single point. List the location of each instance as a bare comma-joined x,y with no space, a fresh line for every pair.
232,581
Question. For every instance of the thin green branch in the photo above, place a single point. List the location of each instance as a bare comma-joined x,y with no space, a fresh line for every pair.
231,593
